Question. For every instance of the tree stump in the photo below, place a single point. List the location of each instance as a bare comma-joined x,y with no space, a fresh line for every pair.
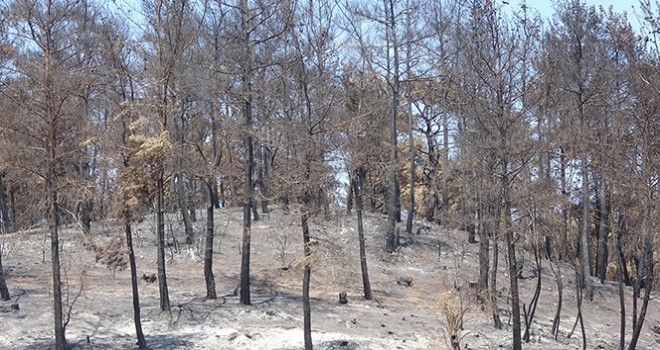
342,298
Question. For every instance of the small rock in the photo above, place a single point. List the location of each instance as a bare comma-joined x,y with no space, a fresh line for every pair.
405,281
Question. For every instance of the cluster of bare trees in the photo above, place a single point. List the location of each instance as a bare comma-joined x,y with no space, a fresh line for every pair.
539,134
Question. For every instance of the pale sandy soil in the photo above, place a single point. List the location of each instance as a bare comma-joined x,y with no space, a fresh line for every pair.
400,318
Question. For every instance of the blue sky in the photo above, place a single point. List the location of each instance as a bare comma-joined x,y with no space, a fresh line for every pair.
546,7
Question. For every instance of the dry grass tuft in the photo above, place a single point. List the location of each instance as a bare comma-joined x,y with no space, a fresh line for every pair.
450,308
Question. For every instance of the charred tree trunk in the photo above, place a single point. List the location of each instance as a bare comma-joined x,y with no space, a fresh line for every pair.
411,149
622,299
445,164
248,193
307,311
141,342
4,208
603,232
4,291
358,189
247,225
86,216
263,181
183,207
435,199
192,208
529,313
53,228
644,279
484,249
230,176
622,226
513,265
394,199
208,251
12,199
160,223
349,196
497,322
578,319
565,212
585,235
87,204
560,296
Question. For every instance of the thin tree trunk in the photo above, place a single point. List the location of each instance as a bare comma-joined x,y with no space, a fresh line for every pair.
622,226
247,223
358,189
183,207
4,212
208,251
160,223
645,276
141,342
217,157
529,314
53,223
560,290
411,149
622,299
230,176
4,291
248,200
560,297
484,248
445,165
192,209
86,216
255,211
565,206
391,242
349,196
513,265
12,199
578,319
585,234
497,322
263,181
307,311
603,215
394,201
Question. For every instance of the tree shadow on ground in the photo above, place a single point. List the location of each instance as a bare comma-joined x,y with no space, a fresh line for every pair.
119,342
336,345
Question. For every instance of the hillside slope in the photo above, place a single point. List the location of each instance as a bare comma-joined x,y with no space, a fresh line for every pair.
401,317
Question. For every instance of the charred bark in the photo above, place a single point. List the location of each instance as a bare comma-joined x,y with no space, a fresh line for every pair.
644,280
307,311
164,295
484,248
5,223
248,191
603,232
622,299
358,189
208,251
513,264
53,228
4,291
141,342
183,207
